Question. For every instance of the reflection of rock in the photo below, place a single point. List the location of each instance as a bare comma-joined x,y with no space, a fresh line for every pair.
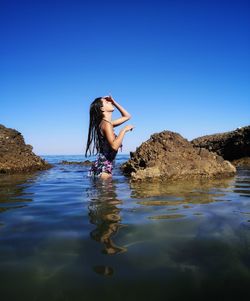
168,156
85,163
167,216
183,192
175,200
15,155
12,191
230,145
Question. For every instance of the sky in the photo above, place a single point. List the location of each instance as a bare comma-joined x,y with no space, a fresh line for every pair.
174,65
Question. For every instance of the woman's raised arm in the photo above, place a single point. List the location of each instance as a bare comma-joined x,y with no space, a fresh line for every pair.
125,115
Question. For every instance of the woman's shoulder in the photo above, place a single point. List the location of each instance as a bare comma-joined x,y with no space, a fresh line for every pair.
106,125
106,122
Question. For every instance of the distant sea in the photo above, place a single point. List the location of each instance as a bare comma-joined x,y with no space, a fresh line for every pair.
64,236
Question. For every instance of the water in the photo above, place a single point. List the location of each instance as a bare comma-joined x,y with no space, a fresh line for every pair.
66,237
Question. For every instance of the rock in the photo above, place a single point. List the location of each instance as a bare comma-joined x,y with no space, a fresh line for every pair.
242,162
15,155
230,145
84,163
169,156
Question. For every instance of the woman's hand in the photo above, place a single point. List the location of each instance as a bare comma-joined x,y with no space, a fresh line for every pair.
128,128
110,98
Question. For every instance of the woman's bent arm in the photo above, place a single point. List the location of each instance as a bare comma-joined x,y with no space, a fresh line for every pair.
122,110
115,143
125,115
118,140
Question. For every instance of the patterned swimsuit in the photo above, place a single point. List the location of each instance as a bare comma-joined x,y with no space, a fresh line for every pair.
104,161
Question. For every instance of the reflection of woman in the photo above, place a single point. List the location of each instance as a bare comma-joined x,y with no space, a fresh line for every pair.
105,215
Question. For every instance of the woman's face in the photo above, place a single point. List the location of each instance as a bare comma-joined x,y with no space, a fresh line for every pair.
107,106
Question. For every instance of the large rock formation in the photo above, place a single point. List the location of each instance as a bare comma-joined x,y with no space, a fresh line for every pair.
169,156
231,145
15,155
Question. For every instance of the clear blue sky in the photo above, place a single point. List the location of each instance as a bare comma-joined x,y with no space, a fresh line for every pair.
174,65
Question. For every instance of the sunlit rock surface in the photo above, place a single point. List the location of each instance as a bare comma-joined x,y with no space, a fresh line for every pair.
15,155
169,156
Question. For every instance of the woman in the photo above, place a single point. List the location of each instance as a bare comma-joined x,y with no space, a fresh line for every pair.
101,136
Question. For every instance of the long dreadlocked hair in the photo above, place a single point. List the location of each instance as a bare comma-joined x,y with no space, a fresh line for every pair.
95,117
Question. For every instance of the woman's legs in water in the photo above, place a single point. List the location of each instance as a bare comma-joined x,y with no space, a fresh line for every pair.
105,175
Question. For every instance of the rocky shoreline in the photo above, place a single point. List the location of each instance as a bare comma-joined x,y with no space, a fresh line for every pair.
15,155
169,156
165,156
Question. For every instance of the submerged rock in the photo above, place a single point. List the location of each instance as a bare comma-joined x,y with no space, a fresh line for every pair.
15,155
169,156
84,163
230,145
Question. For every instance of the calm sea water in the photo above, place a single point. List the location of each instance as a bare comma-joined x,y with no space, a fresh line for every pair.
64,236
